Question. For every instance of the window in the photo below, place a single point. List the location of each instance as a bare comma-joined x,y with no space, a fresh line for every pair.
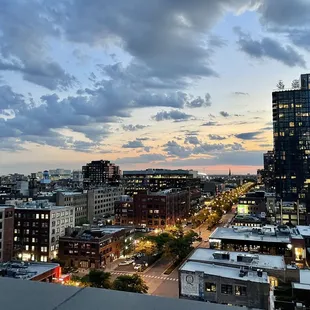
210,287
46,216
53,215
33,248
240,290
53,231
43,258
58,222
27,247
43,248
37,216
27,231
226,289
34,240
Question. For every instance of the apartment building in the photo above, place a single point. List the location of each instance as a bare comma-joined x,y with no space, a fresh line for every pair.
101,200
37,228
6,232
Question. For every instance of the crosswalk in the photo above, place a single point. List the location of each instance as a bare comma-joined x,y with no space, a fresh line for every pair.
145,276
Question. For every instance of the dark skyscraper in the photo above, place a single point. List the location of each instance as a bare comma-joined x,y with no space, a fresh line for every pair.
100,172
291,128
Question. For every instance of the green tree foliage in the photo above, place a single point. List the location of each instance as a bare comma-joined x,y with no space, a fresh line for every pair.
146,246
179,248
128,283
160,240
98,278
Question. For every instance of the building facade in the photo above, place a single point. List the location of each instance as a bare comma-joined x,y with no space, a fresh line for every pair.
99,173
78,200
224,285
268,175
101,201
253,203
37,228
93,247
156,180
155,210
291,124
6,233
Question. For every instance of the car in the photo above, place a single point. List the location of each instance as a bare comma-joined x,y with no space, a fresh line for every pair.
138,267
126,262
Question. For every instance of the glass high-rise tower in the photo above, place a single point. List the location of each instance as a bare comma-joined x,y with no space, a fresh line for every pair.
291,130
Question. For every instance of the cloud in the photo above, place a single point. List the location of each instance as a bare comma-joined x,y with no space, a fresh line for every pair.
269,48
200,102
216,137
175,115
240,93
133,144
248,135
23,48
192,140
141,159
209,124
131,127
224,114
173,149
238,158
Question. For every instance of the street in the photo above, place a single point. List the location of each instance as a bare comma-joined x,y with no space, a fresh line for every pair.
167,285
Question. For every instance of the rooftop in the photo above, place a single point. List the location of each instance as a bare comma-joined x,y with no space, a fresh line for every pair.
304,230
268,234
224,272
25,271
258,260
159,171
39,204
16,295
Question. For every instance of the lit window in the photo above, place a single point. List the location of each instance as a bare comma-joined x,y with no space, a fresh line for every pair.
37,216
240,290
27,247
42,216
46,216
210,287
33,248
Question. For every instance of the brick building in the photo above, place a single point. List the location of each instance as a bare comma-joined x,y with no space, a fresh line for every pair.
155,210
6,232
93,247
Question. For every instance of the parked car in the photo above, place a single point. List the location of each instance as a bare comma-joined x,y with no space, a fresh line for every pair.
126,262
138,267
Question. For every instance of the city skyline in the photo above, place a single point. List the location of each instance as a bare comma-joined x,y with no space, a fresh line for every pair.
163,84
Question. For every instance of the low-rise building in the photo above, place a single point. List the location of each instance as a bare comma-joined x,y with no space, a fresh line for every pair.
156,210
253,203
274,265
224,285
247,220
42,272
78,200
37,228
269,239
6,232
93,247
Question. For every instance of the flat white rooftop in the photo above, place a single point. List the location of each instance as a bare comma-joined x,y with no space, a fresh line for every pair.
224,272
304,230
261,261
30,270
229,233
304,276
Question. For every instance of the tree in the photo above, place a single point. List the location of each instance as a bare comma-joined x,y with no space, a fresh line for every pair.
179,248
146,246
98,278
280,85
160,240
295,84
128,283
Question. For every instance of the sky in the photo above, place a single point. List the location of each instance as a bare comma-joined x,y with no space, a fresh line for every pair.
158,83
